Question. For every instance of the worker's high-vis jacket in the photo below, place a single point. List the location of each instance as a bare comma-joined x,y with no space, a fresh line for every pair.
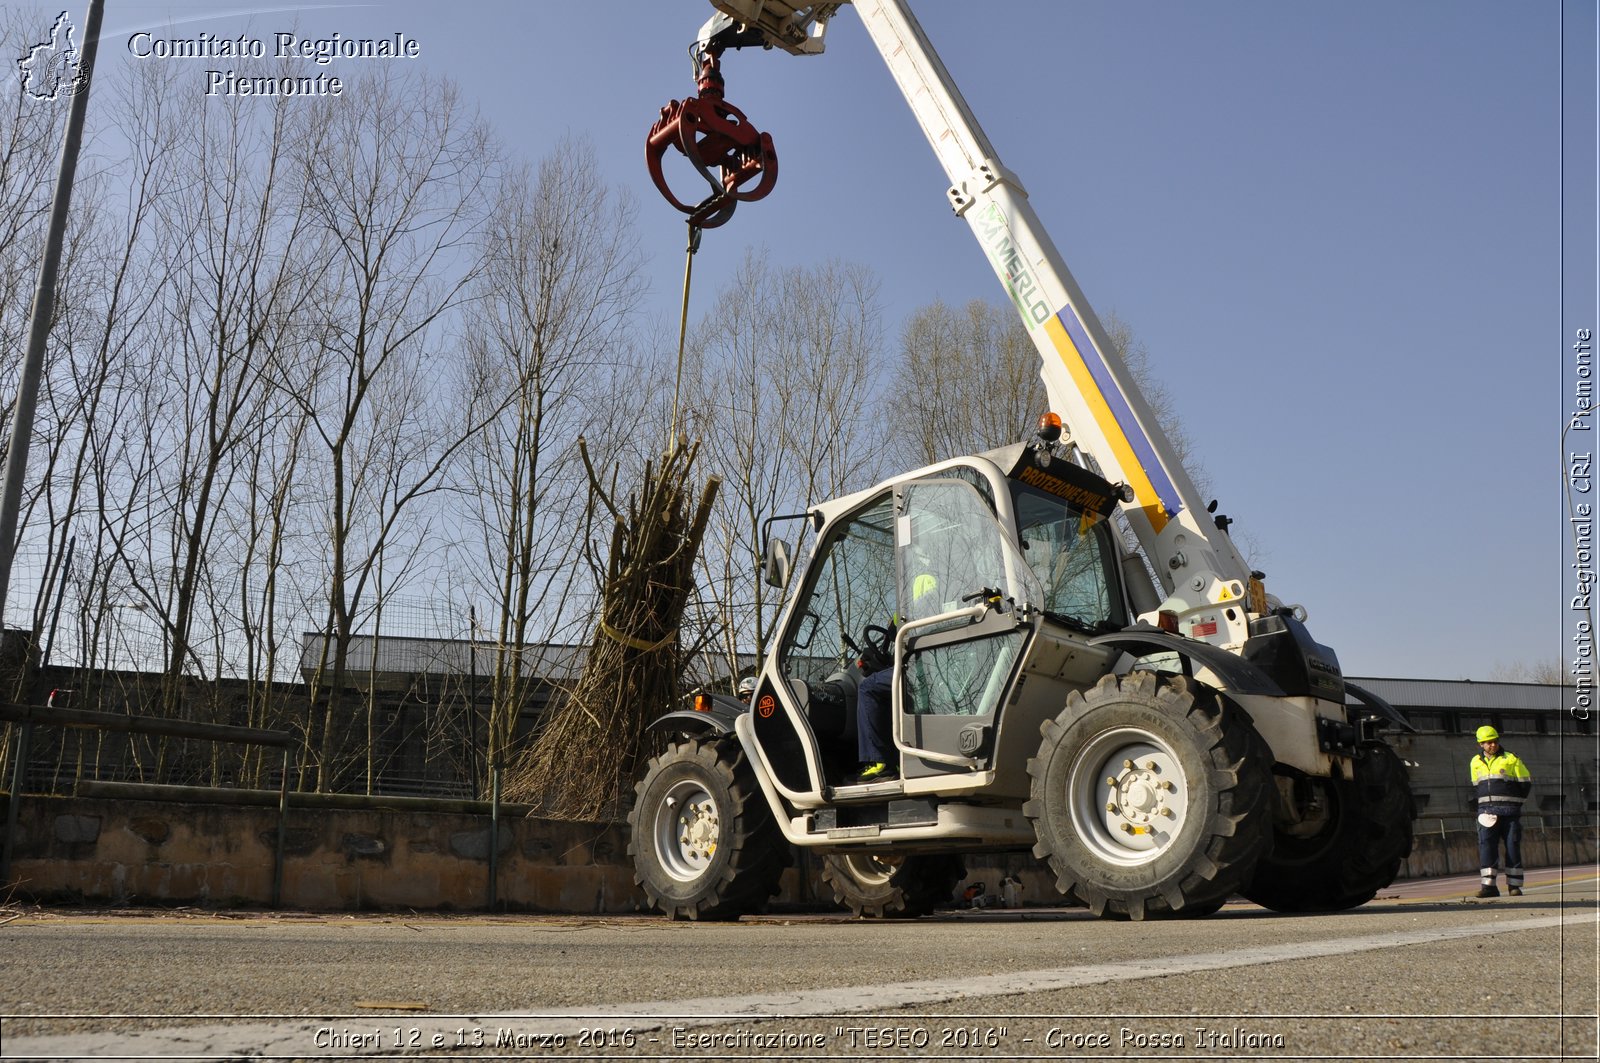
1502,782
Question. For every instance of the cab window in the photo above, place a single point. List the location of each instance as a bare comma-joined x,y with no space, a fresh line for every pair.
1071,552
851,585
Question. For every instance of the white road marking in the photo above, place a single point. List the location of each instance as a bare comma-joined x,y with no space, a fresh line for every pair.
310,1038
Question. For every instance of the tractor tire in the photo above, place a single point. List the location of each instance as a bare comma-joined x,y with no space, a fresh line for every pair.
874,886
703,841
1151,798
1357,852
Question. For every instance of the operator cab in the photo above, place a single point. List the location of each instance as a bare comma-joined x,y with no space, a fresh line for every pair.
946,575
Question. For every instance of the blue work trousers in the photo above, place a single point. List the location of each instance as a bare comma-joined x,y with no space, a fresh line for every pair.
874,732
1509,829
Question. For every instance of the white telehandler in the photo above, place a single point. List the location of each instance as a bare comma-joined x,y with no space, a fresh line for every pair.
1083,664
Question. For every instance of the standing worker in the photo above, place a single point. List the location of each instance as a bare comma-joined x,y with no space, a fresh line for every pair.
1502,782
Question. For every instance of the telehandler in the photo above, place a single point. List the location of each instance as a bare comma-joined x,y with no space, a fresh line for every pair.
1084,666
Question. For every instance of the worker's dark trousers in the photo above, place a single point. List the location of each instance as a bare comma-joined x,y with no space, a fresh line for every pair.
1509,829
874,736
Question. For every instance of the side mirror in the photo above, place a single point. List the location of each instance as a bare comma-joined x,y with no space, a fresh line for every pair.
775,563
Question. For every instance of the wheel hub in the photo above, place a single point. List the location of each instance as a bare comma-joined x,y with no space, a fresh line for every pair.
688,826
1139,796
1128,795
699,831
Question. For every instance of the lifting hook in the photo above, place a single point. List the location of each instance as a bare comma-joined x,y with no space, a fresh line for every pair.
713,135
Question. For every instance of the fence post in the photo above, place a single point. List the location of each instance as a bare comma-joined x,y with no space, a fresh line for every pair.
14,801
283,827
494,834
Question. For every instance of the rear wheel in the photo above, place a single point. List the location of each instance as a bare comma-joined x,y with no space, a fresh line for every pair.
703,841
1365,833
1150,797
875,886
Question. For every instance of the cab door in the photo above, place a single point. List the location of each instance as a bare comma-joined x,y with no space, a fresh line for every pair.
961,635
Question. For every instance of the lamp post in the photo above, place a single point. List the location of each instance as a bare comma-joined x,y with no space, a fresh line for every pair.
44,305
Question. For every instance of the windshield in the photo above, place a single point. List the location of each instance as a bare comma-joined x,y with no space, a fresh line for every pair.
1070,551
952,549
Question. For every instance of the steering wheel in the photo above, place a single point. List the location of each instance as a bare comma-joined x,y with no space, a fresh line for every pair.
879,638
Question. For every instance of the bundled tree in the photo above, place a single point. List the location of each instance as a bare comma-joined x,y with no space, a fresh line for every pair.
587,752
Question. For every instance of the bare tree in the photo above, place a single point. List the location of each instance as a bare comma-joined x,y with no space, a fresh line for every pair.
394,173
1552,672
561,276
97,360
30,137
248,266
968,381
781,373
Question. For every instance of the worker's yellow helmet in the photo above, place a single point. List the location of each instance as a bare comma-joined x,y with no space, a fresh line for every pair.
1488,734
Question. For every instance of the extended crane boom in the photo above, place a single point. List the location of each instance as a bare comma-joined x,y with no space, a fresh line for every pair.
1087,382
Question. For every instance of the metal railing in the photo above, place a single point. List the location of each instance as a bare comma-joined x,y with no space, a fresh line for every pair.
1441,825
30,715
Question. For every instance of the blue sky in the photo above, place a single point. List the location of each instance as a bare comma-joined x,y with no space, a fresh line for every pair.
1336,227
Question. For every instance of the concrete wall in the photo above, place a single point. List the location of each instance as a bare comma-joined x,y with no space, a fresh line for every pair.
82,849
75,850
1437,850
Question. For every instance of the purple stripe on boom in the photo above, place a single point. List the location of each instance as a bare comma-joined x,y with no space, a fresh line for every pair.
1118,404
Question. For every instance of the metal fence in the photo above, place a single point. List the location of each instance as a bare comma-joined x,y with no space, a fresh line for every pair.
29,716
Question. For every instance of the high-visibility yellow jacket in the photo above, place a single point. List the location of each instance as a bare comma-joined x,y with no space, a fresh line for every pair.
1502,782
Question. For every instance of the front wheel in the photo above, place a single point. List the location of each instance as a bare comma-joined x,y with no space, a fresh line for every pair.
1364,834
703,841
875,886
1150,797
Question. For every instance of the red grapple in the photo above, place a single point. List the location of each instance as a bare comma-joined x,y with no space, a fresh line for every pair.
713,135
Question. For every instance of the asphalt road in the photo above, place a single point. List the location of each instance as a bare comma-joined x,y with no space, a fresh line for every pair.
1423,972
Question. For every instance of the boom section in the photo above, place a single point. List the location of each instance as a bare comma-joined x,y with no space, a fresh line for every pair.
1087,382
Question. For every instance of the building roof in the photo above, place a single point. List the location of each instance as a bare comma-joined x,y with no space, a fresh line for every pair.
1467,694
553,662
418,656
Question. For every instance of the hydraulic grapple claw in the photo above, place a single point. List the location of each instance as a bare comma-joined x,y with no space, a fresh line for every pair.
728,152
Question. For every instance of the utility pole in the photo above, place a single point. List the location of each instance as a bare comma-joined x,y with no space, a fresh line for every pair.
44,294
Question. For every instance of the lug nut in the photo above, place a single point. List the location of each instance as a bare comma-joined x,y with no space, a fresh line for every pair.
1111,806
1128,764
1111,781
1152,766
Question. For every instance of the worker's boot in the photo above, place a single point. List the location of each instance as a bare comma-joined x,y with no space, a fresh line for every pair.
1515,891
1489,891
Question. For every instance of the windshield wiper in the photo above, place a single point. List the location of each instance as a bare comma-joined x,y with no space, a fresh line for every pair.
1071,622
